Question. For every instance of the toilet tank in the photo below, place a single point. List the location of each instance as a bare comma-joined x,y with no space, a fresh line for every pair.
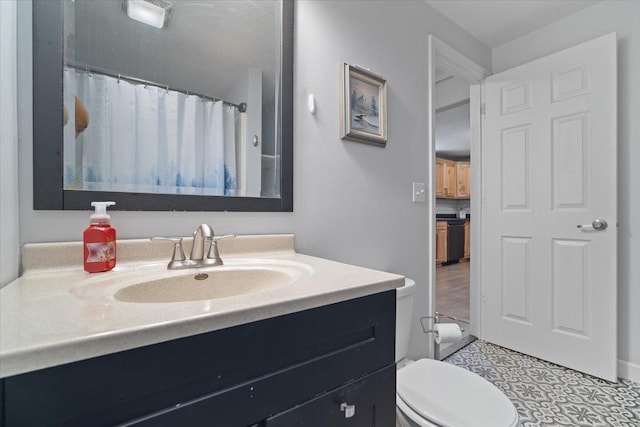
404,315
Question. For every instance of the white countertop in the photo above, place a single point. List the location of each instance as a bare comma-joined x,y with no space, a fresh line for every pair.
57,313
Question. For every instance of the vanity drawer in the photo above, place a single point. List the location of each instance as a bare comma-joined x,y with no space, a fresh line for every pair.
373,398
373,395
301,355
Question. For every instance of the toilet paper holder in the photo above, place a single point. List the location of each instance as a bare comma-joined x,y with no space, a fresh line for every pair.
436,319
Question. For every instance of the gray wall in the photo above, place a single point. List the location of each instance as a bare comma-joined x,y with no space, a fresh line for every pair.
9,224
599,19
451,91
353,201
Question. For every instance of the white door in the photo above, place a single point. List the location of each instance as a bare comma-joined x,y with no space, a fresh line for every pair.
549,166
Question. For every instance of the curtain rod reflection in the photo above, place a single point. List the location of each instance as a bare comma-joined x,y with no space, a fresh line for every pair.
242,107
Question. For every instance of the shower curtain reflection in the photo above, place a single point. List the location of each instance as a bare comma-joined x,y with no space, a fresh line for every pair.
183,144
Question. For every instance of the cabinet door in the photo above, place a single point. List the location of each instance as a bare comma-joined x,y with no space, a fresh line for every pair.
371,402
467,239
440,178
441,241
450,179
463,177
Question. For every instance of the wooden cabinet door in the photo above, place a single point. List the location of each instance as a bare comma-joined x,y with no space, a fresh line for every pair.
467,239
463,178
441,242
450,179
440,178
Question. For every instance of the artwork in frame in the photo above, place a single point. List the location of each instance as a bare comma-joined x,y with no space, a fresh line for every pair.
363,106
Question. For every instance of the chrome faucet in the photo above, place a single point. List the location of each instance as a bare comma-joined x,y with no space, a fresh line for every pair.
204,233
202,237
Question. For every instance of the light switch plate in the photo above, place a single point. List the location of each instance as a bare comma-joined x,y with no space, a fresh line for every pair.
419,192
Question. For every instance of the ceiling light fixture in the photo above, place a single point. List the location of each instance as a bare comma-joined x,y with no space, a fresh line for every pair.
151,12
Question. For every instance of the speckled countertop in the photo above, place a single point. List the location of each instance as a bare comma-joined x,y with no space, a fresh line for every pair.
56,313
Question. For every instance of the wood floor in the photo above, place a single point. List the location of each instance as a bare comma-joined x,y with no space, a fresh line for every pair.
452,290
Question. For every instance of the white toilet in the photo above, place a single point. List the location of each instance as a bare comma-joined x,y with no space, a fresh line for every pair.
431,393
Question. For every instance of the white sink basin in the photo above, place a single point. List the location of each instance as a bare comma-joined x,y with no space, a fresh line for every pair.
205,285
153,283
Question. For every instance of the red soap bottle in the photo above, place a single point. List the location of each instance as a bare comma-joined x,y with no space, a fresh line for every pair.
100,240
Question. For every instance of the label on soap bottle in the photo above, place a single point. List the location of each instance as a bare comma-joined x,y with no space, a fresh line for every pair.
101,252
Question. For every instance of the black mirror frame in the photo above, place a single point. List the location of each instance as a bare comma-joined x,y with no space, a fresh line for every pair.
48,191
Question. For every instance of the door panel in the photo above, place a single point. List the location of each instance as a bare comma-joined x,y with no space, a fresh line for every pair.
570,161
516,282
516,168
570,286
549,165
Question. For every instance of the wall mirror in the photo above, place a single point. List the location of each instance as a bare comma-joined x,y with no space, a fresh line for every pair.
163,104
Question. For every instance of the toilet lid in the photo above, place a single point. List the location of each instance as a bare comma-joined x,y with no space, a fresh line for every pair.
453,397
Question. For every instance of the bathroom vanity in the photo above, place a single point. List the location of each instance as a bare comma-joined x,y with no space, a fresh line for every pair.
315,351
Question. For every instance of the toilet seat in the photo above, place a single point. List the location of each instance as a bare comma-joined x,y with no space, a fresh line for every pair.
409,413
449,396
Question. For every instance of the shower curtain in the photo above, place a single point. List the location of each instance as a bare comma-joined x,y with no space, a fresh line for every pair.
143,138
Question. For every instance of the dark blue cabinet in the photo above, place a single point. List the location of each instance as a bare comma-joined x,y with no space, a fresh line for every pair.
288,370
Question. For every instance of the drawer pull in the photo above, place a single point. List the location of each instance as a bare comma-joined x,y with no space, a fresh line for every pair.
349,410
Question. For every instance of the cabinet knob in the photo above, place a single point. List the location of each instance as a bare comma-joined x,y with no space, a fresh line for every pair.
349,410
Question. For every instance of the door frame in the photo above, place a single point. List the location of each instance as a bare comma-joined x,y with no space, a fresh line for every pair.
454,62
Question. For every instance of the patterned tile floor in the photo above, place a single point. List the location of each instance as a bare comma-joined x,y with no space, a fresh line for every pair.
550,395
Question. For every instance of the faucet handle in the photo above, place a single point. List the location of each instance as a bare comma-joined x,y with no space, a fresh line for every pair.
178,253
213,249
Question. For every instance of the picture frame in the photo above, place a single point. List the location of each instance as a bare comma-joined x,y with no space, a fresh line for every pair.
363,106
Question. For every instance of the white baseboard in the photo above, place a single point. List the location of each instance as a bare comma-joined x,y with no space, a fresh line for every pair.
629,371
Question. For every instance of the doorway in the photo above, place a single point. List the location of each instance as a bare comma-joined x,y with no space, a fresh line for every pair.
455,117
453,203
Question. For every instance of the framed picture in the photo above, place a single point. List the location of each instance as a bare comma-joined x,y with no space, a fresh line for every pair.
363,106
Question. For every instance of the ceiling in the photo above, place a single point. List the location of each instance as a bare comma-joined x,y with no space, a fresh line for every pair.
495,22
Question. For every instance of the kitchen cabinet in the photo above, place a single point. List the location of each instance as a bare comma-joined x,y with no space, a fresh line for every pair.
450,179
296,369
440,177
445,178
441,242
467,239
463,180
453,179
